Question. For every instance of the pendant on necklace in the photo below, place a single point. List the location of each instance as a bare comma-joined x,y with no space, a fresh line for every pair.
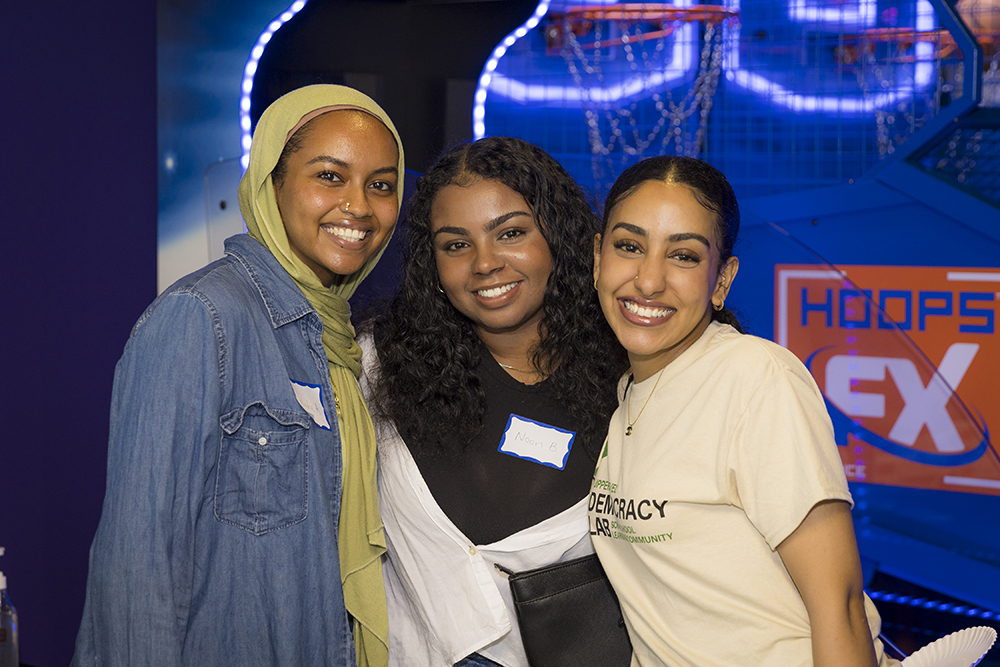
628,431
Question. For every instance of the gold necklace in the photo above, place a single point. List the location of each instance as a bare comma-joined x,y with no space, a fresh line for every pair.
628,404
515,369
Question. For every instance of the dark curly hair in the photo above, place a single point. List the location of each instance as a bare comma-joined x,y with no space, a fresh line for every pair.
710,189
428,351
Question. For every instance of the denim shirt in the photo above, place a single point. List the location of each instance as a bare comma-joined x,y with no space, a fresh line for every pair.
217,544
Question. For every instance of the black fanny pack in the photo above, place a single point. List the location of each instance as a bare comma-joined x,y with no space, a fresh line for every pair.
569,615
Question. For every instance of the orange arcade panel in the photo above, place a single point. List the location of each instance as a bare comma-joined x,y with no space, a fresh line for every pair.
908,360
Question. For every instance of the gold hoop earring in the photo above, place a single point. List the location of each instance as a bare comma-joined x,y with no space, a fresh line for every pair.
719,307
595,283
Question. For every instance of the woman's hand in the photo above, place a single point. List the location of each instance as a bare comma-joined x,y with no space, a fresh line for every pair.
821,556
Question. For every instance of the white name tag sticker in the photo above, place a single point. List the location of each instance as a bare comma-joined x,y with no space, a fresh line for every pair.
310,397
534,441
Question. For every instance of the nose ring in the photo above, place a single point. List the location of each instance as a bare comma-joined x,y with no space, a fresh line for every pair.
347,207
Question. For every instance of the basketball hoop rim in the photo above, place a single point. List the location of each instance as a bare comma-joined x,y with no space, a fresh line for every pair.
648,12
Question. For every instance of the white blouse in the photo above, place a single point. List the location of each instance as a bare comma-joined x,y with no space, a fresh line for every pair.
446,599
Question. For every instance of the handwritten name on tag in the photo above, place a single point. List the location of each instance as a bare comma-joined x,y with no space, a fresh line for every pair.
310,398
534,441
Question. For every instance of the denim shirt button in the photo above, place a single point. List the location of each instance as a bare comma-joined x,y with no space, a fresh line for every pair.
262,440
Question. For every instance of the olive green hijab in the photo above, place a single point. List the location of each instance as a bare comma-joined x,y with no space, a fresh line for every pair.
360,537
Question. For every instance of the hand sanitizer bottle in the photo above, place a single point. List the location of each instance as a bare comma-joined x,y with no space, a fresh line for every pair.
8,626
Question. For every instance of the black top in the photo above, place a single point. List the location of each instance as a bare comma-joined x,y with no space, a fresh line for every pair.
489,494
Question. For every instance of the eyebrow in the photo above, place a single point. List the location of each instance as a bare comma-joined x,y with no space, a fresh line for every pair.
629,227
488,227
688,236
326,159
500,219
673,238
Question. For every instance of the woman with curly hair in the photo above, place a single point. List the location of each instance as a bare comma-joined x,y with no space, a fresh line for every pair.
491,378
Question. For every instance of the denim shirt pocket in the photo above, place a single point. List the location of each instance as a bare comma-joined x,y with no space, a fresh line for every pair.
262,477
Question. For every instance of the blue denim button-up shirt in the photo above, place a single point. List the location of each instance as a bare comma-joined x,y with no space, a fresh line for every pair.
218,539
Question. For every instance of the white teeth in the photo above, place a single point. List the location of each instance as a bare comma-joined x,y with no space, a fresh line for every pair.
345,233
642,311
496,291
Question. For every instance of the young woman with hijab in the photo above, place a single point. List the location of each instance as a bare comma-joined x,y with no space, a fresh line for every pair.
491,390
720,509
240,525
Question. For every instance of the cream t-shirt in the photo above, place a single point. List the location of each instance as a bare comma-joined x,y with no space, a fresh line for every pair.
732,451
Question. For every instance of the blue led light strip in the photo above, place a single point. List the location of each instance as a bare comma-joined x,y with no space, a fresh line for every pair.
935,605
863,14
479,104
251,68
923,75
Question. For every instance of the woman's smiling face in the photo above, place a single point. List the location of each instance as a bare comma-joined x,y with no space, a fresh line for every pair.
337,198
493,261
657,273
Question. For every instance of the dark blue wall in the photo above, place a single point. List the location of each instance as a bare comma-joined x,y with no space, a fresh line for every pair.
78,217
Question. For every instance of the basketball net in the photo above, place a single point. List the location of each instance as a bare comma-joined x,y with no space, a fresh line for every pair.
616,127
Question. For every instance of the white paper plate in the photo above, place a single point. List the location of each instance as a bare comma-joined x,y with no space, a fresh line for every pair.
964,648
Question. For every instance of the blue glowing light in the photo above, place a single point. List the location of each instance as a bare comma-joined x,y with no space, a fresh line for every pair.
478,110
683,60
858,15
251,68
861,16
835,104
935,605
